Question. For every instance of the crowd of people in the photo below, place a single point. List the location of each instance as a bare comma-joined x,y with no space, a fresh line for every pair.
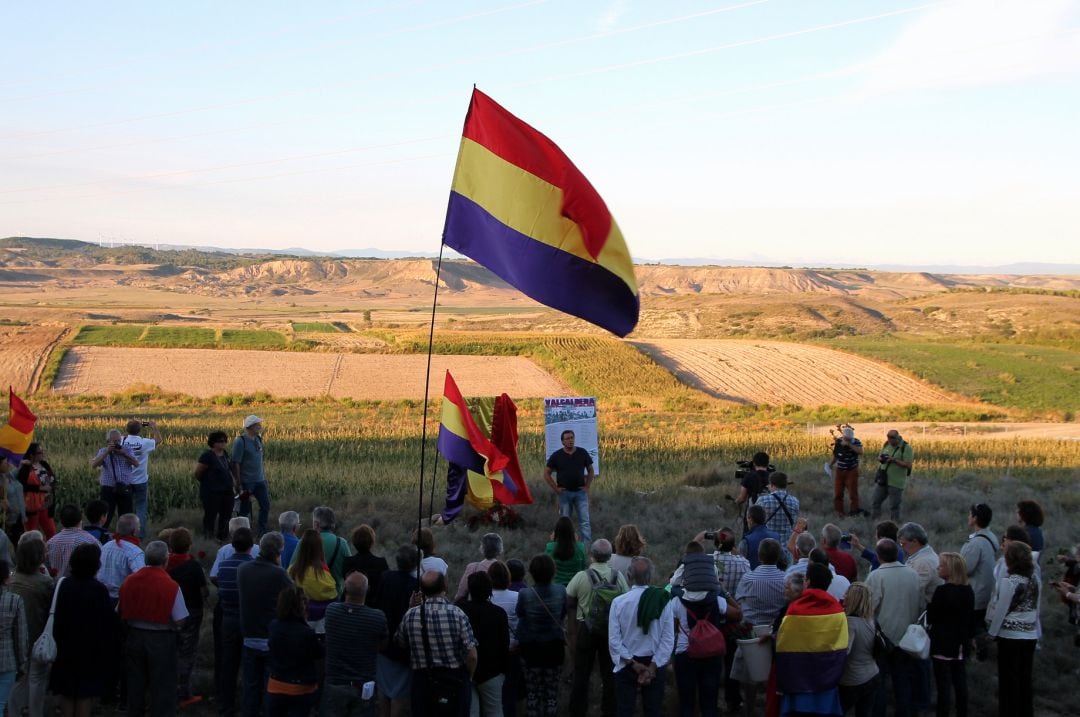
779,620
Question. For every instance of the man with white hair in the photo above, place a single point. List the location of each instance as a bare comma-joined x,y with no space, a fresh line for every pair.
227,550
800,545
639,654
491,547
121,557
151,604
847,450
588,638
115,464
289,525
249,474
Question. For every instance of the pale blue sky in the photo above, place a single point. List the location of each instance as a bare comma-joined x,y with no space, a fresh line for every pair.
869,131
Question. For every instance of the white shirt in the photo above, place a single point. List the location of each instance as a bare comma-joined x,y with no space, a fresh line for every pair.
839,586
141,448
625,638
507,600
682,635
433,562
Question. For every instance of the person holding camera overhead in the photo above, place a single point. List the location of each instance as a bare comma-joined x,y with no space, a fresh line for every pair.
847,450
115,463
141,448
896,458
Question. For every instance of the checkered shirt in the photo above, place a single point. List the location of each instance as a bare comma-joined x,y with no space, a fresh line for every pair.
776,520
118,560
730,568
449,632
61,545
114,469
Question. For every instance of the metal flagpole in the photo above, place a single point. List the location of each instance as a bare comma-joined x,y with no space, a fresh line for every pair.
427,388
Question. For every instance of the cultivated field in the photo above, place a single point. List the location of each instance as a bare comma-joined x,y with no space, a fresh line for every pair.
100,370
23,350
776,373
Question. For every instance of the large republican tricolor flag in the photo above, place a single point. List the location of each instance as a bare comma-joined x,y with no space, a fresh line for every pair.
520,207
15,435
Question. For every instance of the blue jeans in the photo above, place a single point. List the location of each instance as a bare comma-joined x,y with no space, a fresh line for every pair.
261,493
7,681
570,500
256,670
140,501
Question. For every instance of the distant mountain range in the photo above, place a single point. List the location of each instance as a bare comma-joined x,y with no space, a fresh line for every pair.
373,253
1017,268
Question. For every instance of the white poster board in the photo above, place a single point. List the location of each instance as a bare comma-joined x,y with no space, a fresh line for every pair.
572,413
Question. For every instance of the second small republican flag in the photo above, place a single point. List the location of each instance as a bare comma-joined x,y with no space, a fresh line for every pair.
520,207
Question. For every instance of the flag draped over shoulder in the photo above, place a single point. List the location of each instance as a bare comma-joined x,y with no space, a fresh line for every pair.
811,645
520,207
16,434
478,438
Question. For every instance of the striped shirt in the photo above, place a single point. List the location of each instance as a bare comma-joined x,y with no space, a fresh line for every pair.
119,558
61,545
114,469
228,588
450,634
761,595
353,635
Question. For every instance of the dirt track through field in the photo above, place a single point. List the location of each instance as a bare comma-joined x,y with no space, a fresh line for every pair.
777,373
207,372
23,352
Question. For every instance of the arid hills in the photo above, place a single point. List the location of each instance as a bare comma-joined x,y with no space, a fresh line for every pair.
77,281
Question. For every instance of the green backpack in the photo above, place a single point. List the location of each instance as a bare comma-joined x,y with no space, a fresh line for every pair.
603,593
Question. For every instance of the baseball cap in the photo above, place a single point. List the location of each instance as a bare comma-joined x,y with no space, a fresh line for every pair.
251,421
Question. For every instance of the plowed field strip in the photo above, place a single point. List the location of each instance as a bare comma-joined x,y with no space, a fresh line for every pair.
23,350
206,372
776,373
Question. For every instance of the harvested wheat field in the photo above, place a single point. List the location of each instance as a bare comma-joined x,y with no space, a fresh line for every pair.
207,372
23,351
777,373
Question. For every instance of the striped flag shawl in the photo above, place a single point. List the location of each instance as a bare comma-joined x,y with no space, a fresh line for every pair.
812,644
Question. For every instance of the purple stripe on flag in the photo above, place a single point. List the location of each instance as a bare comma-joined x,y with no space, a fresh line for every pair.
456,449
456,482
809,671
551,276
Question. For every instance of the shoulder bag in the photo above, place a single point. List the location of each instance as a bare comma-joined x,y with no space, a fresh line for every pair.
44,649
916,642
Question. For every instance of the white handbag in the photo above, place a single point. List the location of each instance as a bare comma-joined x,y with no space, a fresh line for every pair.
44,650
916,641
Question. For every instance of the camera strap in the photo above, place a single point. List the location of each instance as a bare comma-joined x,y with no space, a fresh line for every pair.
783,507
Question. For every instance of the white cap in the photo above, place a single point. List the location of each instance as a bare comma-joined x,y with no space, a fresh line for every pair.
251,421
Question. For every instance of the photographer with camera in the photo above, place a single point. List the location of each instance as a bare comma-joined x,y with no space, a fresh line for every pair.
846,452
115,464
141,448
895,458
753,477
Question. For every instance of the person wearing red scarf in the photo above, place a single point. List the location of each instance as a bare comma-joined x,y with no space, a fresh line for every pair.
152,605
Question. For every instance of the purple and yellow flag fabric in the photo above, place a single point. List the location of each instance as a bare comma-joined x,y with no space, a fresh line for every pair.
811,645
16,434
471,454
520,207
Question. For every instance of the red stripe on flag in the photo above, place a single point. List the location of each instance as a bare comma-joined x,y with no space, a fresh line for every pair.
496,461
21,418
491,126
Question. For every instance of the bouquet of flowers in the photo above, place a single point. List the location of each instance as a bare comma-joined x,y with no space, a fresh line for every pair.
502,516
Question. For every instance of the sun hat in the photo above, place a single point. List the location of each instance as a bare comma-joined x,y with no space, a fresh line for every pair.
251,421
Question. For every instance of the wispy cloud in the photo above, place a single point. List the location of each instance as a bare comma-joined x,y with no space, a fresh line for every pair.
968,43
611,16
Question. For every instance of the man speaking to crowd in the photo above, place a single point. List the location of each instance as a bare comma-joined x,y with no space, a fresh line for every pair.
573,469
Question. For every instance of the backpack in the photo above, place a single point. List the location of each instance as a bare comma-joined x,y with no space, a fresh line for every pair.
705,638
603,593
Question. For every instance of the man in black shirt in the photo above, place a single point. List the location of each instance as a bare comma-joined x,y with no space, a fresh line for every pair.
573,469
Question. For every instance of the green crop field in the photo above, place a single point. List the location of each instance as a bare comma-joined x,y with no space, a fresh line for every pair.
1034,378
179,337
108,335
318,327
251,339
